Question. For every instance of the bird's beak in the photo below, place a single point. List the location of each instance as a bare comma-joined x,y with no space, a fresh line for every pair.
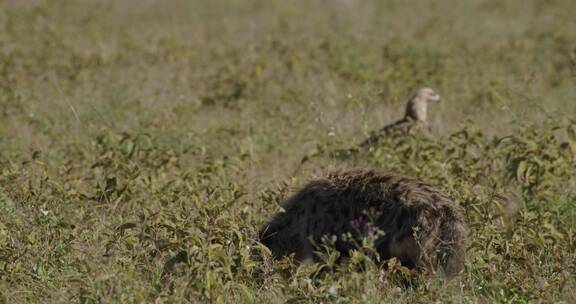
436,98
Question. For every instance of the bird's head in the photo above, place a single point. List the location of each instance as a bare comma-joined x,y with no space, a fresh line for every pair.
427,94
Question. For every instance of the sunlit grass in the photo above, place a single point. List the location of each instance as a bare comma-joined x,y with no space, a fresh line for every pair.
143,143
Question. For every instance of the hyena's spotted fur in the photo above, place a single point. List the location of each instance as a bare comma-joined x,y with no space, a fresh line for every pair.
422,227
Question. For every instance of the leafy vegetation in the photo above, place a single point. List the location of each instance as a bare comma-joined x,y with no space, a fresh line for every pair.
143,143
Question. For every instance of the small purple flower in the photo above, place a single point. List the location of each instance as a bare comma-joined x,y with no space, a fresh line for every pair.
358,223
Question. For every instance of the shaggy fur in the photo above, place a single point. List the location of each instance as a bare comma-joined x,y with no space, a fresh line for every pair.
422,227
416,115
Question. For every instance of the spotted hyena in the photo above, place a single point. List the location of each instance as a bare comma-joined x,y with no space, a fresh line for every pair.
421,226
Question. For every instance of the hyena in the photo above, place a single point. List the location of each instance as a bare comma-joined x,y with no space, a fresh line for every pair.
421,226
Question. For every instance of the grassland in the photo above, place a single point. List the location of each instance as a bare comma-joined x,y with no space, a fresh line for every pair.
142,143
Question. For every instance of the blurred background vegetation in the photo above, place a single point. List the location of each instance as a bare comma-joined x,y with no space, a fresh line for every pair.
142,143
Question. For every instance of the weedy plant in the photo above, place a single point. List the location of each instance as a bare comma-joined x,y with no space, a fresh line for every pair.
142,145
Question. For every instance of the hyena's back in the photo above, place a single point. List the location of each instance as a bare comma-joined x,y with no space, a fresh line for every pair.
422,227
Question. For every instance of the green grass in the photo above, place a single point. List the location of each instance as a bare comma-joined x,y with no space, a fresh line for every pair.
143,143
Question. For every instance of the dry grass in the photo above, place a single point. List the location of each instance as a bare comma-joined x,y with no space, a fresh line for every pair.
132,131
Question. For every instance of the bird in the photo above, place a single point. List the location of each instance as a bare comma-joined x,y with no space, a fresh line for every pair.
410,220
415,116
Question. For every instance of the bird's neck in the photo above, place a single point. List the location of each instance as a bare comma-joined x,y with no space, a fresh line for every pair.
416,109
